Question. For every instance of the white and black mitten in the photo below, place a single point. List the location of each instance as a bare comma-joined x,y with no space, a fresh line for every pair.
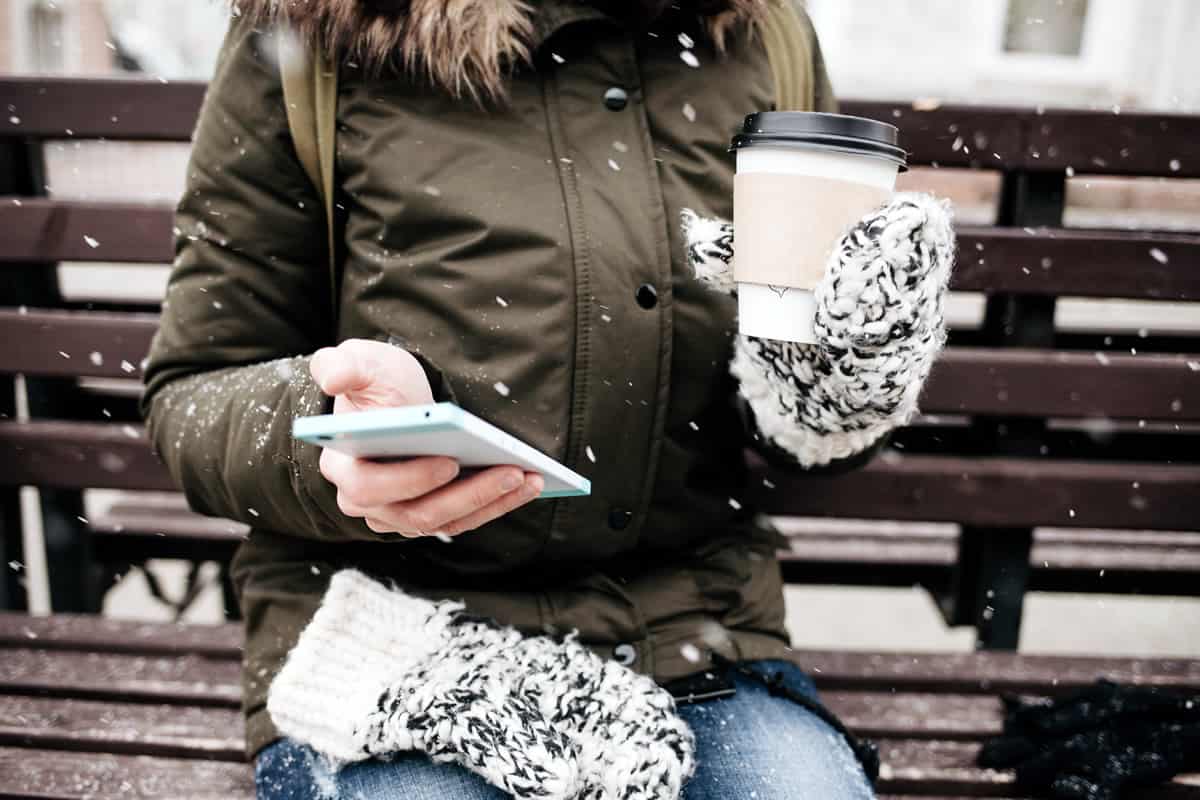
378,672
630,742
879,325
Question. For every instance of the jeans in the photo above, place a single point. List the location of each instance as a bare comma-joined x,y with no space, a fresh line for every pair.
750,745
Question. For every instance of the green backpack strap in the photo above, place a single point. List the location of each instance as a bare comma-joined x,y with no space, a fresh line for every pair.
310,99
788,39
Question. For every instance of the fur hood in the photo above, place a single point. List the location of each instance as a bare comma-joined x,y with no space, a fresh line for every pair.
464,46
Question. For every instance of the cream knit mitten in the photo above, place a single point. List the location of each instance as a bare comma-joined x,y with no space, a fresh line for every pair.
378,672
879,328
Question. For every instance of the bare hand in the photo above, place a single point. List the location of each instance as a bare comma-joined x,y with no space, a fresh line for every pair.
418,496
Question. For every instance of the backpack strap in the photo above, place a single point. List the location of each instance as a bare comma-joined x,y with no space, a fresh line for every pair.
310,98
788,40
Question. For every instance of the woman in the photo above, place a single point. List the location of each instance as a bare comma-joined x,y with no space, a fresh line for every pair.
510,180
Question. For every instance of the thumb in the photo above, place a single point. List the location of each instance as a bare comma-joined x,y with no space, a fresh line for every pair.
337,370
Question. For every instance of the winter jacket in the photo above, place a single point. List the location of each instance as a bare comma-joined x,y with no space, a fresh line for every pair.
509,184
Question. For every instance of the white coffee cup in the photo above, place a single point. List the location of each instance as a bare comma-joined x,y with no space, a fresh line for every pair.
803,179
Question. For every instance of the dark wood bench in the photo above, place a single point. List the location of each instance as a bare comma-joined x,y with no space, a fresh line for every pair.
154,708
1003,486
1007,453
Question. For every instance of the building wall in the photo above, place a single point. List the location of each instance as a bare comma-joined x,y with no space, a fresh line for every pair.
1134,54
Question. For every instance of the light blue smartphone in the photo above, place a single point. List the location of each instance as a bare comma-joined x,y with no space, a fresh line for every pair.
438,429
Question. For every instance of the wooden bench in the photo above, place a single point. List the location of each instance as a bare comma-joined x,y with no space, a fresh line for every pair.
1047,459
1090,439
154,708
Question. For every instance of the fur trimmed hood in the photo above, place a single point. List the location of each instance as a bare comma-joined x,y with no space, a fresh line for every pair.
463,46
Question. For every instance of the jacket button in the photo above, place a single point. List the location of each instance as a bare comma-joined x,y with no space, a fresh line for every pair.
625,654
647,296
619,519
616,98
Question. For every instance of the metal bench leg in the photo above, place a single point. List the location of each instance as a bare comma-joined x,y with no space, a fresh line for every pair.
73,577
989,585
992,572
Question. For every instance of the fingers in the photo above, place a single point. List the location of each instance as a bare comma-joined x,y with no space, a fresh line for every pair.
458,507
530,489
364,484
709,243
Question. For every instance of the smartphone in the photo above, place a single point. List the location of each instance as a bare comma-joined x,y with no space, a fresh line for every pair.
438,429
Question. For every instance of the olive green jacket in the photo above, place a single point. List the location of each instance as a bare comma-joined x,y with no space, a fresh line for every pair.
529,251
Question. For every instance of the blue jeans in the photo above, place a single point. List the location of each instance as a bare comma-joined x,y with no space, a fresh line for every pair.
750,745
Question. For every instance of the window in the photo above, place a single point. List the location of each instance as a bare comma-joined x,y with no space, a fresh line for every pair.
1047,27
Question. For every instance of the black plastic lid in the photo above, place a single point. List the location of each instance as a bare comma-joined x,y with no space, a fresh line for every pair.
817,131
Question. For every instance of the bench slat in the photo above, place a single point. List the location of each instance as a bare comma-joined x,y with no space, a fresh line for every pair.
964,673
910,767
917,767
88,632
103,108
979,491
208,732
1050,383
992,491
967,380
989,672
180,679
80,455
132,728
1012,138
45,230
1087,263
1078,262
52,774
76,343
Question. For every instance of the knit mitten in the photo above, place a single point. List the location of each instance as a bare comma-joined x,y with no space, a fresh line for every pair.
630,742
378,671
878,323
1102,742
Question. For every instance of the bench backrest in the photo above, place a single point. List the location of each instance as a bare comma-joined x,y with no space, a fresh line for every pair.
1025,424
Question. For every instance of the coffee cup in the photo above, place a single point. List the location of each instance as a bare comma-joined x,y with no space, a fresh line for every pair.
803,178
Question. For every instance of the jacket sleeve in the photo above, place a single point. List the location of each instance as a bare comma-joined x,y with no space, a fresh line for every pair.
247,301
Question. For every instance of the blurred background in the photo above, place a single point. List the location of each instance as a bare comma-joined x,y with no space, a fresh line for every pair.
1116,55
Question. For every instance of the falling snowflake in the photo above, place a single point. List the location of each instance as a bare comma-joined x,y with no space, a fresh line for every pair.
96,358
503,303
613,165
689,112
686,41
1174,165
689,58
253,512
690,652
127,367
92,243
558,59
501,388
1158,255
590,454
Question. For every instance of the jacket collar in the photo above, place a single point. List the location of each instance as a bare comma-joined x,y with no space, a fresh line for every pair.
464,46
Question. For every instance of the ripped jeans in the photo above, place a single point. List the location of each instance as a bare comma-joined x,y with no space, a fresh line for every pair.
750,745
